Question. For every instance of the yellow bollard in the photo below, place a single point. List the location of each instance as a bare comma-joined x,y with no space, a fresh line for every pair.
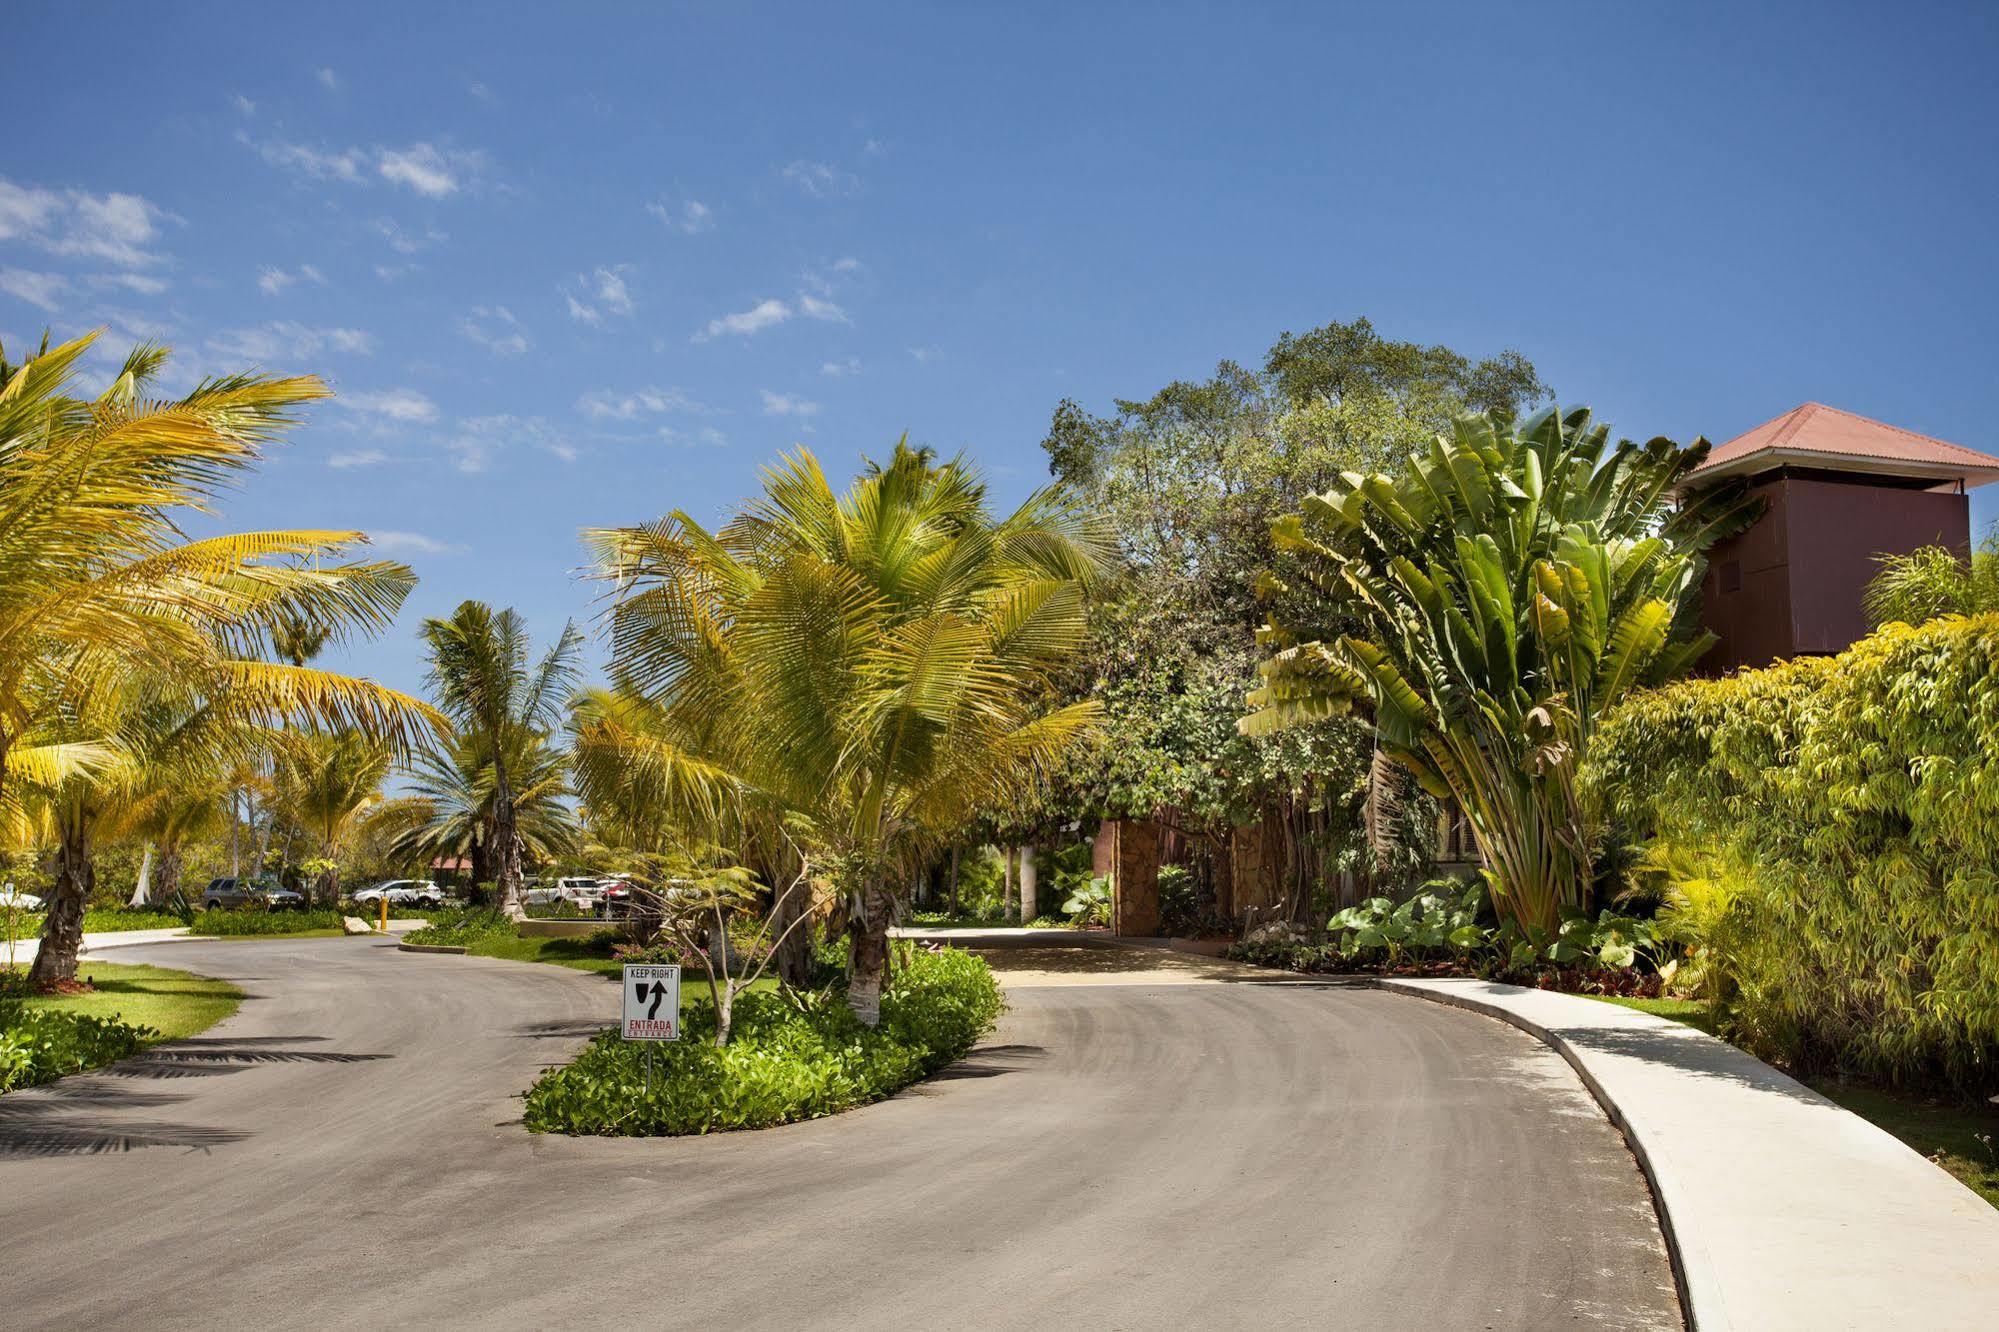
384,900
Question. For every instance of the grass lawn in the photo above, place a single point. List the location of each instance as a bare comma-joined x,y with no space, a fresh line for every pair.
943,920
288,934
174,1003
1963,1139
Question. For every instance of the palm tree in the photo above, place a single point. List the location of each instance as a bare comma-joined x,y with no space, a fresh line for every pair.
450,809
853,673
328,786
501,701
100,591
1510,585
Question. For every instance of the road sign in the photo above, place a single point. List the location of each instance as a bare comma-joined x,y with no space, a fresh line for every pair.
652,1002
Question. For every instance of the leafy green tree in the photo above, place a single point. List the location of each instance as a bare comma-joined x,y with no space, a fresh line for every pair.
1486,605
1189,480
329,785
866,669
503,703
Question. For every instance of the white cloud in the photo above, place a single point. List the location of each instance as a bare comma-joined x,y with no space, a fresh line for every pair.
346,164
402,242
762,315
785,404
495,328
357,458
922,354
271,280
846,264
411,543
114,227
812,307
688,219
821,180
479,90
403,405
40,289
327,79
842,368
599,293
480,437
394,272
609,405
285,338
138,282
243,104
424,167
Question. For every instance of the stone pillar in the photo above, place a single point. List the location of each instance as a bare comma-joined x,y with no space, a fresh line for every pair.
1135,878
1029,908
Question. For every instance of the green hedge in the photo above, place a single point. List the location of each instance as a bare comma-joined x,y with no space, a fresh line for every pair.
792,1057
1843,818
458,927
234,923
97,920
38,1046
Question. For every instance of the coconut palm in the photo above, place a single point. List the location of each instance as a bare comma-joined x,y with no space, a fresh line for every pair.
101,592
862,671
1511,585
328,786
450,810
500,699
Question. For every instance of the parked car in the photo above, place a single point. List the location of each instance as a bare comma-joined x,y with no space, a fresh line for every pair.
580,892
402,892
221,893
13,898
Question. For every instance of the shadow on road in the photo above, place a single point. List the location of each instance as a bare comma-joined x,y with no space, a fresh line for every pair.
989,1061
211,1057
76,1118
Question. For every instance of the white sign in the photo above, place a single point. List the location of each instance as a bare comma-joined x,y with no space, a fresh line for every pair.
652,1003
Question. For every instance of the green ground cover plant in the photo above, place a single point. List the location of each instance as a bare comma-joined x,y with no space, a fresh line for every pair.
123,1010
246,924
1832,827
793,1056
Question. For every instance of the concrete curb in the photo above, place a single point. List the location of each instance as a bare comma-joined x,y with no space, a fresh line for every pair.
407,947
1779,1208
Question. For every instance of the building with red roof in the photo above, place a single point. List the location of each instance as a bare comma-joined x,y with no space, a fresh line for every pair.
1840,491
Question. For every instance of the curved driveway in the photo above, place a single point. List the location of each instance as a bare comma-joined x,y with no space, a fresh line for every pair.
346,1151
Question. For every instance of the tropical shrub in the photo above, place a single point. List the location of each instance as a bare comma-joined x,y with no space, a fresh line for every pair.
233,924
794,1055
461,927
1509,585
40,1045
1089,903
1841,820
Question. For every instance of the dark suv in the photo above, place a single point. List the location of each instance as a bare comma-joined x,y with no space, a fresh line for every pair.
248,893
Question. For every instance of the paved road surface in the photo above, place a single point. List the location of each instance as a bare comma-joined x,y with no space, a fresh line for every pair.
1174,1152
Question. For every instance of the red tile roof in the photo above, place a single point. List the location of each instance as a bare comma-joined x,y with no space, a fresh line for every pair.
1818,435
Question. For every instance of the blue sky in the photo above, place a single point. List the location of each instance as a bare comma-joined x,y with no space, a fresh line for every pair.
575,265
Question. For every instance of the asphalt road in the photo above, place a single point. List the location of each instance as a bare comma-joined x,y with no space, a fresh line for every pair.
346,1152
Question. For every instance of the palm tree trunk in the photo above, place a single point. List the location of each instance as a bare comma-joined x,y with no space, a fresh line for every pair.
1006,883
62,928
955,908
142,890
506,845
170,863
867,933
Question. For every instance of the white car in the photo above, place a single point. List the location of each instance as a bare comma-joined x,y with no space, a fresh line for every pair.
403,892
13,898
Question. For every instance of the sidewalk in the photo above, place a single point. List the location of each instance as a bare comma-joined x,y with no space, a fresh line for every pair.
1782,1210
25,949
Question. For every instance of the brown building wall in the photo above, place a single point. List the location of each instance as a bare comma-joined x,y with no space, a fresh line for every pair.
1792,584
